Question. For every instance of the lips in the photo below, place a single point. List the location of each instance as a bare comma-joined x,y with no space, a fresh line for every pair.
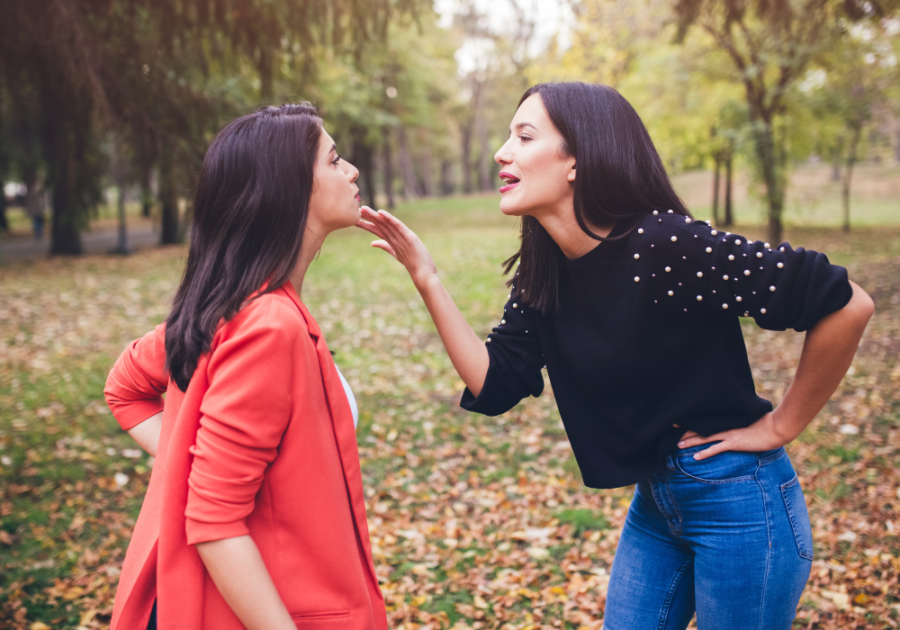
511,181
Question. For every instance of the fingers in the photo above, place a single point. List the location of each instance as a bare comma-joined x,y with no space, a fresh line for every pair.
715,449
382,244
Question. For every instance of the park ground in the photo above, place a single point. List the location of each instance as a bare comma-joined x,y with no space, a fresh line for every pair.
476,522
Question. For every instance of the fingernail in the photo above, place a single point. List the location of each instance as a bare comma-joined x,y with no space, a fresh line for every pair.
681,443
697,456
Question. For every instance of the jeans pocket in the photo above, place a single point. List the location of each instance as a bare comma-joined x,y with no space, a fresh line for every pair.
726,467
795,505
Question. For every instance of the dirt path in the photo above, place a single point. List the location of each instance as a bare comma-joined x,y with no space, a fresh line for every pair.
98,241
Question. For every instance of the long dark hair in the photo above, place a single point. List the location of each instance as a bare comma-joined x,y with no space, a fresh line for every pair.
621,178
250,213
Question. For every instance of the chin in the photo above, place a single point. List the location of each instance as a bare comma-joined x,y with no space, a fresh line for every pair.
511,209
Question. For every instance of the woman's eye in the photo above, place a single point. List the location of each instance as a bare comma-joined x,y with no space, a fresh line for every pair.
336,160
524,138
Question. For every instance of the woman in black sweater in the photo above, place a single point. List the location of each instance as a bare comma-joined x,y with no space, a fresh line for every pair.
633,307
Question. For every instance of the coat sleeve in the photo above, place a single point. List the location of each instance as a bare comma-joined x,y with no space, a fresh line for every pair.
516,359
137,381
693,268
244,414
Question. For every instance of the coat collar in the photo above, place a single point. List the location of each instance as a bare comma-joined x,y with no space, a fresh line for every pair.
344,431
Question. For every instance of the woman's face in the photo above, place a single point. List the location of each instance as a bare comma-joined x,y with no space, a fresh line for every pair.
538,176
334,203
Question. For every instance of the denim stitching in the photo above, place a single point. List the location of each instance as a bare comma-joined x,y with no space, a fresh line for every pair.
762,606
664,613
788,506
712,481
774,457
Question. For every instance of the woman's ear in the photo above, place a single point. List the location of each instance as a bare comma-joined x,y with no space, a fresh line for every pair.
571,175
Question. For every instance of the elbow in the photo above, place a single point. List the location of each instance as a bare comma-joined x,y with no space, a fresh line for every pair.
861,306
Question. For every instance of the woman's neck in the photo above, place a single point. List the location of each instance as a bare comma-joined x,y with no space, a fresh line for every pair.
565,232
312,243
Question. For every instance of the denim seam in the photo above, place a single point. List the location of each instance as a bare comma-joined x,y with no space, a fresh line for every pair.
667,604
712,481
675,509
774,457
762,606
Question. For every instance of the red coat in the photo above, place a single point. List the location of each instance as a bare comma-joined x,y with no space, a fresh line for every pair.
262,443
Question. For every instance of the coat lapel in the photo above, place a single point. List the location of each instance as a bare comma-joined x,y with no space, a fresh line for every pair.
344,432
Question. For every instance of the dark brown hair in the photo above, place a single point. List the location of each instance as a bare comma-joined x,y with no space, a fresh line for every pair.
621,178
249,216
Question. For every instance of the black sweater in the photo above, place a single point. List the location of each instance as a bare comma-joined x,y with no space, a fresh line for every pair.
648,335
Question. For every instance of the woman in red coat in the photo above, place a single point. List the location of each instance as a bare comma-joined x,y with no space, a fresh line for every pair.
254,516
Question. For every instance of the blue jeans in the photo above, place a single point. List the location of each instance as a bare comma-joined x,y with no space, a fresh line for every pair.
727,537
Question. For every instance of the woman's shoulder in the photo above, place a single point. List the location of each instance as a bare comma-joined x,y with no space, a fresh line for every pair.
273,314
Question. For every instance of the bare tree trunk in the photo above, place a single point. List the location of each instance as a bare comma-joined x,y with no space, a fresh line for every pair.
146,189
856,133
65,237
772,175
484,157
427,167
446,177
466,158
388,167
407,172
715,198
118,172
4,222
168,196
729,180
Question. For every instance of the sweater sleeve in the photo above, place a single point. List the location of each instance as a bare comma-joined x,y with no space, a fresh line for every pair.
244,414
693,268
137,381
516,360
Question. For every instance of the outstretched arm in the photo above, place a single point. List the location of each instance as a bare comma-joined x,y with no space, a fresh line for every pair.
466,350
827,354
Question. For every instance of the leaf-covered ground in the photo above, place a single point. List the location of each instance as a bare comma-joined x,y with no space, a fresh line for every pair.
476,522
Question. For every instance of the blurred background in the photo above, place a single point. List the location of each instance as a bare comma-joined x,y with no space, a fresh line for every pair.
768,111
779,117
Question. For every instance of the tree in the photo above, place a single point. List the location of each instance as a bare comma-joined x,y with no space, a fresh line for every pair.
770,45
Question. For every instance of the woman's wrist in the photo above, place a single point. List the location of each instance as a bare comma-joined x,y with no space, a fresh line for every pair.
426,282
785,430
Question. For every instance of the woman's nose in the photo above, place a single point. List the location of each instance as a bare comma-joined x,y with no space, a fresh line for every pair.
502,155
354,173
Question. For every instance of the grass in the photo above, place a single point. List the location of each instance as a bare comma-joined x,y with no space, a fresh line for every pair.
476,522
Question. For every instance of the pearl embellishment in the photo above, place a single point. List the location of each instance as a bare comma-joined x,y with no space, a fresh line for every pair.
674,238
687,219
730,256
780,265
739,298
636,256
709,250
772,288
714,232
640,230
759,254
763,311
746,272
671,293
637,279
725,306
656,212
515,305
668,269
502,321
699,298
699,274
725,277
737,241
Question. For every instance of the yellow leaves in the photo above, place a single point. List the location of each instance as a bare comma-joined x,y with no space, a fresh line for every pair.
87,617
841,600
38,625
862,598
480,603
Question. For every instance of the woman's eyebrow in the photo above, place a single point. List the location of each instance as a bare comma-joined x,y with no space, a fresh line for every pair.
333,148
522,125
